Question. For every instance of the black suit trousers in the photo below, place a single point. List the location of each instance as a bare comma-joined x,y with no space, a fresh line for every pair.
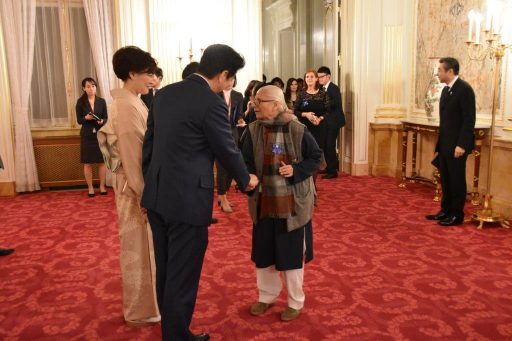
331,157
179,254
453,184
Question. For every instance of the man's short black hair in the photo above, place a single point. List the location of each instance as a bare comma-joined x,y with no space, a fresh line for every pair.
159,73
324,69
132,59
217,58
450,63
191,68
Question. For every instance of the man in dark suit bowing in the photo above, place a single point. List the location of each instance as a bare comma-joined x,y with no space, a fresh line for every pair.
456,141
335,121
187,130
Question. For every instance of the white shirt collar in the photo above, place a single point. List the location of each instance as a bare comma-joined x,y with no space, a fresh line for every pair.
327,85
453,81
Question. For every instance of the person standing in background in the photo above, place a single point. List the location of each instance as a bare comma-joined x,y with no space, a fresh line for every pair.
312,108
457,114
121,144
155,86
334,122
290,93
91,113
233,101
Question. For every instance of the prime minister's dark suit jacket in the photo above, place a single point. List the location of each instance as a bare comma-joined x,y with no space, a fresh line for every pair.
83,108
187,130
336,117
457,119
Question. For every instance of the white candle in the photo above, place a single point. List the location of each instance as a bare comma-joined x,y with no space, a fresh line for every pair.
488,17
478,19
471,17
496,22
506,33
179,48
190,44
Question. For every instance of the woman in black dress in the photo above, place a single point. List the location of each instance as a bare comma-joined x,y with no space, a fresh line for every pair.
311,107
91,113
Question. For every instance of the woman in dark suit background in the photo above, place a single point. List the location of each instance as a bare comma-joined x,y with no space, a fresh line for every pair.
234,101
91,113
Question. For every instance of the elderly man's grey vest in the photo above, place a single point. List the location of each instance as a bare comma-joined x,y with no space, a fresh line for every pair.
304,192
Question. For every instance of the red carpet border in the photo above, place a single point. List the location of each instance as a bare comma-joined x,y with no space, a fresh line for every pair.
381,272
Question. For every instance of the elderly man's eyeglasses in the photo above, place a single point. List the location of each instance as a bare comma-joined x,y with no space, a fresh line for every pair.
258,101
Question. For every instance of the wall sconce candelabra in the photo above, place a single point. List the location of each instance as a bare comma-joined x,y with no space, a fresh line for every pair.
190,53
497,38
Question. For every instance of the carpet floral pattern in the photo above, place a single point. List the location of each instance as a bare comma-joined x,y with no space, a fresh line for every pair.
380,272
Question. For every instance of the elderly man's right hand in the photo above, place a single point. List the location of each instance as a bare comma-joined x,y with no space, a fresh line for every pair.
253,182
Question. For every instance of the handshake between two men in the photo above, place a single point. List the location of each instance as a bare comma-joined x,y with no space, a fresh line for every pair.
285,170
253,182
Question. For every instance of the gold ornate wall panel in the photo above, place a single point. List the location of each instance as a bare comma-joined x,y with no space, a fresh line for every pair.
58,161
442,28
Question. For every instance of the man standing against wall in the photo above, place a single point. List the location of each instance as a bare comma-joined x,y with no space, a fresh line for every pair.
335,121
456,141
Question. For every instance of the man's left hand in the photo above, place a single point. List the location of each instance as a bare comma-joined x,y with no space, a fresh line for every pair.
286,170
458,152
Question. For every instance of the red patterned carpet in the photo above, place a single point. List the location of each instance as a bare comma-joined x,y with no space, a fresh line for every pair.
381,272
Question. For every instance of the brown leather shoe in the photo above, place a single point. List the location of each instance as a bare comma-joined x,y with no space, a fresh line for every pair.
259,308
290,314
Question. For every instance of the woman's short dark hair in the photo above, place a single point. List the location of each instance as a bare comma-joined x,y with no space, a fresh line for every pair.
84,83
450,63
217,58
132,59
277,80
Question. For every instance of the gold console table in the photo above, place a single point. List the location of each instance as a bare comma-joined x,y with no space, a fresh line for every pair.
420,127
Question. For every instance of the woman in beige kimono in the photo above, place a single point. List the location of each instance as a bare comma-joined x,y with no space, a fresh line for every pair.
121,144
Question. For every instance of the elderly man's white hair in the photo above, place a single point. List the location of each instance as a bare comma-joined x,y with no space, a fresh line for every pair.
275,93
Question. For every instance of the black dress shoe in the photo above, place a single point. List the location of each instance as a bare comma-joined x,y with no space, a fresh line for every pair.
6,252
330,176
451,221
201,337
438,216
214,220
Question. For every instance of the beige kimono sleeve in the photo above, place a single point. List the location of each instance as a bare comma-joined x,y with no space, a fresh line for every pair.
130,129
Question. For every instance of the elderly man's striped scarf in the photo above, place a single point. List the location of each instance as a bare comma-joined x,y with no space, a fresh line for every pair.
276,199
